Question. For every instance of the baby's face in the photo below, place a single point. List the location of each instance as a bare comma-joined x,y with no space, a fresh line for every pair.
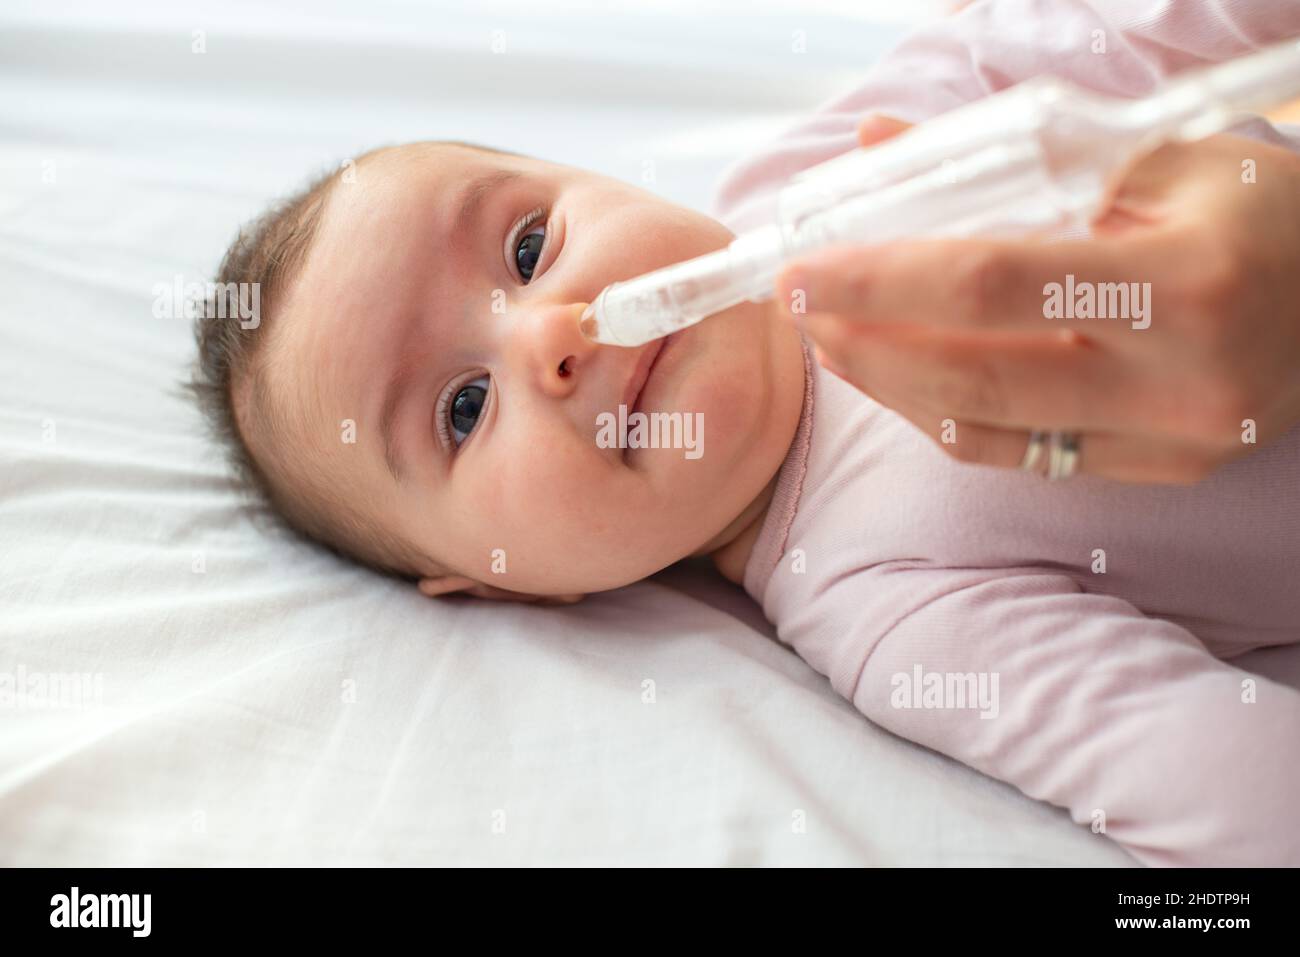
453,345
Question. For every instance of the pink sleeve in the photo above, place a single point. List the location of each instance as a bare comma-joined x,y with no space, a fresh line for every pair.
1126,721
1119,47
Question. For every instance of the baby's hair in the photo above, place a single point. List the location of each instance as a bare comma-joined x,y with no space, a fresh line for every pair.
270,251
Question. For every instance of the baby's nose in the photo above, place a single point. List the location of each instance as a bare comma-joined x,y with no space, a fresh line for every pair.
551,342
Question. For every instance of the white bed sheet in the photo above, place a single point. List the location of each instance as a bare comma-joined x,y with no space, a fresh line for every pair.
280,706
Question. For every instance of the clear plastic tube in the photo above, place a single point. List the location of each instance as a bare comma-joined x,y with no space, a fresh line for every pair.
1032,157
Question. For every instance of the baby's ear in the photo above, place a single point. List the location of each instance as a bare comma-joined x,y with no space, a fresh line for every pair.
445,585
452,584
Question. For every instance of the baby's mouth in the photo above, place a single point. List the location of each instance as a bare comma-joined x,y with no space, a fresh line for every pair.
641,374
628,423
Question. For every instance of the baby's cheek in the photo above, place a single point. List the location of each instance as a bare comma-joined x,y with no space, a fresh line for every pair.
549,473
527,509
522,483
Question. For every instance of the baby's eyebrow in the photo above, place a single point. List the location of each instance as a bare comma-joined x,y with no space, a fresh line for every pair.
471,199
387,414
473,195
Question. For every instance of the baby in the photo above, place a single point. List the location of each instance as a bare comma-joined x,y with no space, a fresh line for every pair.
418,396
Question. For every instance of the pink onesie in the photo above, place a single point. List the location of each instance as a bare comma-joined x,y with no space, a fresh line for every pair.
1078,623
1070,637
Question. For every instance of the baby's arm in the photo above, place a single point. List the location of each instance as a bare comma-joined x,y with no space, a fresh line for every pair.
1118,47
1127,721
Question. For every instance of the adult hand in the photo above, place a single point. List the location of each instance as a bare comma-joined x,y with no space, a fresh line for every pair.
958,330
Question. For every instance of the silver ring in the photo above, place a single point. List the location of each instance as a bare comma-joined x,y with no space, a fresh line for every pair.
1035,451
1063,455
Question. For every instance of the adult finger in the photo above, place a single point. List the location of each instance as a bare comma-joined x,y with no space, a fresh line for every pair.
1125,458
986,284
1007,380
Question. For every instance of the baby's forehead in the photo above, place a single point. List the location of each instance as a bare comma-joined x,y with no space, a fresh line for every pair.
443,161
385,190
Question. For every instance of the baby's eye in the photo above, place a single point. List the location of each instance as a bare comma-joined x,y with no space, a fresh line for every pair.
528,250
466,404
